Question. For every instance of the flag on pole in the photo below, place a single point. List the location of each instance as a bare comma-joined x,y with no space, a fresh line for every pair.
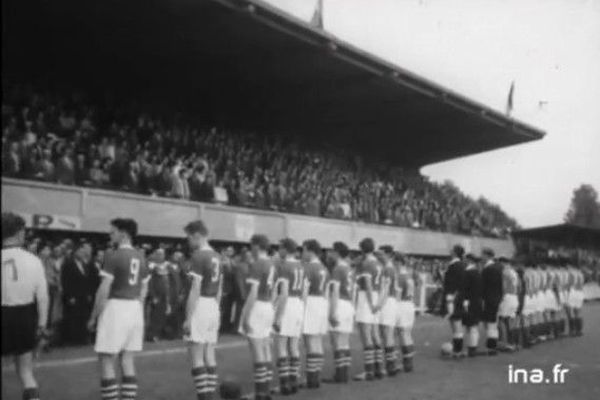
509,103
317,18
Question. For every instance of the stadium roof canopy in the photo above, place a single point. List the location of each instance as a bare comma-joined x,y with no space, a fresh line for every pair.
564,235
246,64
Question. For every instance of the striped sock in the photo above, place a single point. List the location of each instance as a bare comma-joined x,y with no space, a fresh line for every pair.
378,362
211,382
407,357
390,360
283,370
129,388
338,359
369,356
346,364
200,376
261,379
294,374
109,389
32,394
312,370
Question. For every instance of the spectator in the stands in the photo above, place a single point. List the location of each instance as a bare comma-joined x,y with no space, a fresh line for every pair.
65,169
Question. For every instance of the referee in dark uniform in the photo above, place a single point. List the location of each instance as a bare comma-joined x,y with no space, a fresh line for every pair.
24,302
491,279
452,302
471,297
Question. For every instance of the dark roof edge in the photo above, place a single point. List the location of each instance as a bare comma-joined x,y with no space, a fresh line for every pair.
282,21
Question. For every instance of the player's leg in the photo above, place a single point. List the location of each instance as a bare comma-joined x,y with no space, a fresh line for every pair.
457,336
129,386
408,348
389,344
267,348
261,379
344,348
24,366
364,330
109,386
293,350
379,371
196,351
314,360
283,363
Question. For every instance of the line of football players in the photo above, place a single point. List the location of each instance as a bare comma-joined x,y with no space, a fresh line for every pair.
291,296
518,306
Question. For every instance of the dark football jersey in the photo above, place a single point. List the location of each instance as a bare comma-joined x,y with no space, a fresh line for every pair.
453,279
389,274
128,268
370,269
206,264
293,272
262,272
317,277
343,274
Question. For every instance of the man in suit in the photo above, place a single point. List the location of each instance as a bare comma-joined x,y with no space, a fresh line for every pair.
78,282
492,291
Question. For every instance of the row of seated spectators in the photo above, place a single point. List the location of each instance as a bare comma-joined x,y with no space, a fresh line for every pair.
74,141
72,266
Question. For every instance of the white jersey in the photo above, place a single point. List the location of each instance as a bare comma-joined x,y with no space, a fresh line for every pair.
23,277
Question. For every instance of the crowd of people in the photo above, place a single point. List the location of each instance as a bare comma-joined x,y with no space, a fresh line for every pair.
73,264
72,140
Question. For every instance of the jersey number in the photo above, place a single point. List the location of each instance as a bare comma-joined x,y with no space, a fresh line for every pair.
134,271
322,276
10,263
215,269
298,279
377,280
271,277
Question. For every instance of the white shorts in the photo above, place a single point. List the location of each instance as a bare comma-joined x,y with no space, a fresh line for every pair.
549,300
344,314
364,314
315,316
508,306
389,312
564,297
576,298
528,305
204,325
539,302
291,319
405,312
120,327
261,320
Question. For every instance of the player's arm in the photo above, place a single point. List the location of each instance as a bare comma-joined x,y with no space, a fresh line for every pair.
249,304
449,290
101,297
192,300
281,299
220,289
334,297
305,289
41,296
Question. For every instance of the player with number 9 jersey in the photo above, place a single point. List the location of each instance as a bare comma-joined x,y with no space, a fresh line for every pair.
205,265
121,322
315,314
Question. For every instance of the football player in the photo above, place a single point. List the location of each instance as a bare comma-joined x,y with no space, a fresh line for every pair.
289,313
118,309
24,302
453,307
341,310
491,278
388,315
405,317
507,310
576,297
258,314
369,278
202,320
527,317
471,298
315,312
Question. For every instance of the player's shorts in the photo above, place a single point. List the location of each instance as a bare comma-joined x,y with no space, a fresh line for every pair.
315,316
539,302
549,300
120,327
344,314
459,310
405,314
490,310
576,298
388,315
292,317
564,298
364,315
19,327
261,320
472,314
528,306
508,306
204,324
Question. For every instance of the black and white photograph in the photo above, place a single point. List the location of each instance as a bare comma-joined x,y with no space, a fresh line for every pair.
302,199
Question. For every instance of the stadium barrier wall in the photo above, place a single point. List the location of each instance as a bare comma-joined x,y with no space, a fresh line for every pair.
52,206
